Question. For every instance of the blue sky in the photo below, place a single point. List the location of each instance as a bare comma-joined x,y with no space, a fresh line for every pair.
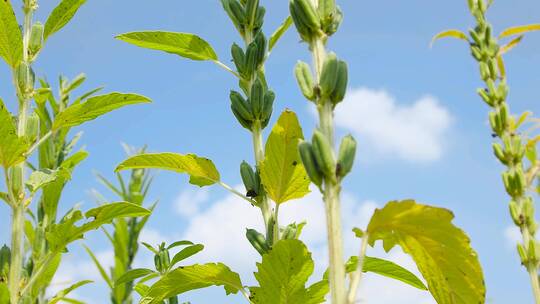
443,156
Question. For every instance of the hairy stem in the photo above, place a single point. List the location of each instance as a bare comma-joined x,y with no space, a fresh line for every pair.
258,148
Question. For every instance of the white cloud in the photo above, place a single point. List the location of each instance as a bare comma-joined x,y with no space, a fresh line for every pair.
512,236
189,201
414,132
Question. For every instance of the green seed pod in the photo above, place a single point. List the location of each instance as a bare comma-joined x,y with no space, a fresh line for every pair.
476,38
493,122
165,259
304,77
324,155
5,260
25,78
484,71
270,231
476,53
259,19
528,209
531,252
260,41
502,90
485,97
157,263
257,240
251,59
522,254
334,26
347,153
308,160
341,84
251,180
301,27
329,75
289,233
36,39
499,153
32,127
309,14
268,105
245,123
251,11
240,105
239,58
256,98
515,213
238,12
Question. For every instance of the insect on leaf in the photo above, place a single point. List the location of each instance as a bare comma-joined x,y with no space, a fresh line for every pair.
449,33
441,250
183,44
202,171
61,15
12,147
192,277
282,172
11,42
94,107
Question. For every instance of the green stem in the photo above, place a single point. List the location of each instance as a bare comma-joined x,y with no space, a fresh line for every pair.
15,270
357,275
332,189
258,149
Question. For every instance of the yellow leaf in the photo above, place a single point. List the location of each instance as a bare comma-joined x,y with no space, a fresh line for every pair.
518,30
449,33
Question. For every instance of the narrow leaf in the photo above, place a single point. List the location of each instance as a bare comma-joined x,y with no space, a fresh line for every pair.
202,171
449,33
60,16
61,294
11,42
132,275
519,30
94,107
183,44
441,251
12,147
282,29
100,268
282,172
510,45
186,253
192,277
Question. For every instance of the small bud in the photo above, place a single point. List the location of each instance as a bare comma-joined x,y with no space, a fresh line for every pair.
251,180
36,39
305,81
32,127
257,240
324,155
341,84
347,153
329,75
25,78
256,98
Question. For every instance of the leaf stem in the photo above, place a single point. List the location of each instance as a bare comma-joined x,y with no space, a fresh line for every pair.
357,275
36,145
226,68
235,192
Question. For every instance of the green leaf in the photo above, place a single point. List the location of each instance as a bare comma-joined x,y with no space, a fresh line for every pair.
282,172
193,277
519,30
60,16
65,232
5,197
4,293
12,147
202,171
449,33
100,267
183,44
179,243
41,178
94,107
386,268
282,29
61,294
132,275
282,276
11,42
441,251
186,253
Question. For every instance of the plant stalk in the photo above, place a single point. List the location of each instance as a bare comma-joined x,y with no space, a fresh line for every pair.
357,275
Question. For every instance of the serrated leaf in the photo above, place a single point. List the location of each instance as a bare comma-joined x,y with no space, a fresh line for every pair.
441,251
183,44
94,107
186,253
11,42
132,275
60,16
192,277
519,30
12,147
282,173
282,29
202,171
65,232
282,276
43,177
385,268
449,34
61,294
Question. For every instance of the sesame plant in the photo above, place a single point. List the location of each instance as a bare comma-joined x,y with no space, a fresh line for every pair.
514,147
36,154
126,231
284,167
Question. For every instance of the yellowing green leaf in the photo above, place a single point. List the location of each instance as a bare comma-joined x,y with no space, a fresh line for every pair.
282,29
282,276
441,251
519,30
449,33
202,171
41,178
183,44
94,107
11,43
12,147
510,45
282,172
61,15
193,277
